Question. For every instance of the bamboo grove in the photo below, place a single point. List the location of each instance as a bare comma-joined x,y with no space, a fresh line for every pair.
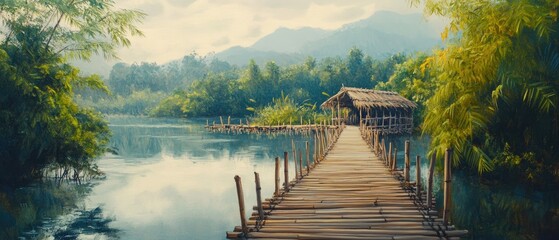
497,84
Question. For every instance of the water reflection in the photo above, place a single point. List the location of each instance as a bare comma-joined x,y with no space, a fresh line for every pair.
50,209
173,180
504,211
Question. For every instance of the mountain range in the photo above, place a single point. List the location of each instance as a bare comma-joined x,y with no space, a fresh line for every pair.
381,35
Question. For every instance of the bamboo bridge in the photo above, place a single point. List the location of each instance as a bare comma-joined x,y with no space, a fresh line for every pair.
351,190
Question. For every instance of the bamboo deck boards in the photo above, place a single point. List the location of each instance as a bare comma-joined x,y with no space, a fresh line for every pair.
351,194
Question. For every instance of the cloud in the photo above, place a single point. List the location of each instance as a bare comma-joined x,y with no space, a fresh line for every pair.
176,27
152,8
220,42
180,3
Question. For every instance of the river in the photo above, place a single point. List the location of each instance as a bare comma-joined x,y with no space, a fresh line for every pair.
173,180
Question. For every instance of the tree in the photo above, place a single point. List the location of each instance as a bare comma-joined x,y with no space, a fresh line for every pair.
497,99
412,80
41,127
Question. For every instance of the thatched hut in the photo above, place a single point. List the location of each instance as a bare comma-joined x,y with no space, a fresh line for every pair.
380,110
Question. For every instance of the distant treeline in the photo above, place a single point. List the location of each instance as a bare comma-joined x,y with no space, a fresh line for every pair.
199,87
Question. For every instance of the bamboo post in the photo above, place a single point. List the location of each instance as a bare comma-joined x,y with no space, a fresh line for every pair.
221,120
430,181
319,144
447,186
384,151
241,199
407,161
300,164
418,177
229,120
294,151
308,157
395,159
286,171
389,163
377,142
277,179
259,196
315,160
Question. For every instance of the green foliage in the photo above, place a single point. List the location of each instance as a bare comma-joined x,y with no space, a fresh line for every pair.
73,28
286,111
413,81
498,84
42,128
238,92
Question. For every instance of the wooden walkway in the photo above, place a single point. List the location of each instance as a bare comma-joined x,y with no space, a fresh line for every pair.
351,194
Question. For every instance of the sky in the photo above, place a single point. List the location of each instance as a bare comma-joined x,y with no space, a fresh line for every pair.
175,28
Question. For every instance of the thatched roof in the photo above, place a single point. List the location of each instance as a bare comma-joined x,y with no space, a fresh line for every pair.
367,98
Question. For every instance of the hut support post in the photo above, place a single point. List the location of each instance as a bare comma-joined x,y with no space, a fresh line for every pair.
447,186
339,120
360,117
241,198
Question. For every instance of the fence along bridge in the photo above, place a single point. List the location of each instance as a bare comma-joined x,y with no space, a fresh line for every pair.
353,191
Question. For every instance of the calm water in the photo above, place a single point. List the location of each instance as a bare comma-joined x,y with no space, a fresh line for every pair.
173,180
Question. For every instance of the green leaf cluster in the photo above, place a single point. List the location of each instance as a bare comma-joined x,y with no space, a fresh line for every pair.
498,85
42,130
284,110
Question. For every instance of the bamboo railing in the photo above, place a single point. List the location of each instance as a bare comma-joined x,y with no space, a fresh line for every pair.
347,195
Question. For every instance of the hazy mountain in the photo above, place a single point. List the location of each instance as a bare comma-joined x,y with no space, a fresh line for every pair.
380,35
289,40
241,56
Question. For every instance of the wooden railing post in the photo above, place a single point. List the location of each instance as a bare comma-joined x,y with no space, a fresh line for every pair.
315,160
300,164
277,179
294,150
308,157
395,159
259,197
241,199
418,177
286,171
389,162
447,186
407,161
430,181
384,151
